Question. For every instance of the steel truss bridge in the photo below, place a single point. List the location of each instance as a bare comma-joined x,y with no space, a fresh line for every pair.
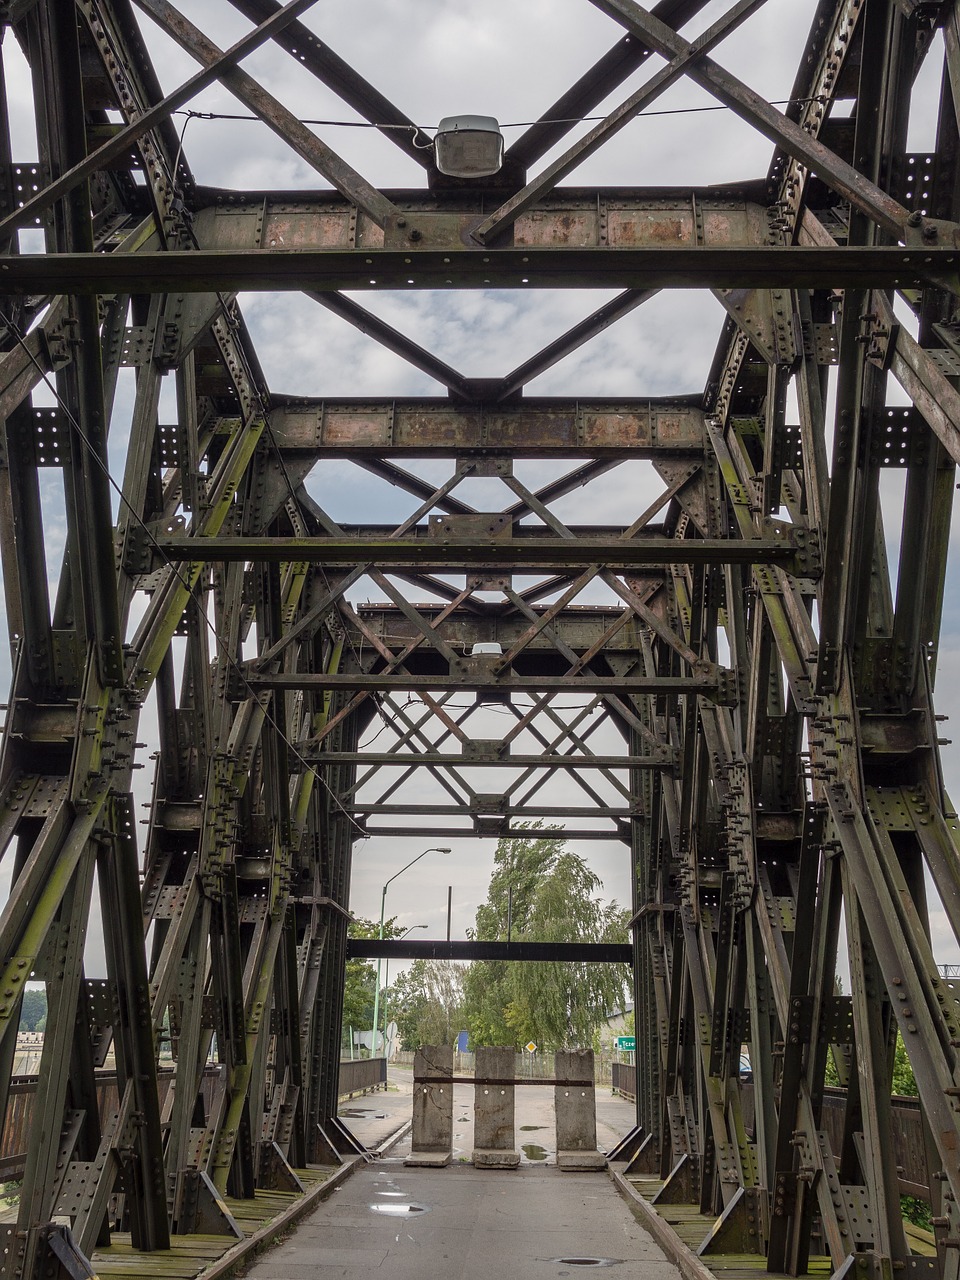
734,686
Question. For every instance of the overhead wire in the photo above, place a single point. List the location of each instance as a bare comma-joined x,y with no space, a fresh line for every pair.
516,124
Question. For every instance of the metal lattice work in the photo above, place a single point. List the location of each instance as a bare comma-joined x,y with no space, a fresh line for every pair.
734,683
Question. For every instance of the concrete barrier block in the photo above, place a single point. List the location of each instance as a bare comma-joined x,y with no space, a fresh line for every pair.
576,1108
431,1138
494,1110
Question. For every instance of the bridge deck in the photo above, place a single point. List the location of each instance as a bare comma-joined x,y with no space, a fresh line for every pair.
691,1228
196,1254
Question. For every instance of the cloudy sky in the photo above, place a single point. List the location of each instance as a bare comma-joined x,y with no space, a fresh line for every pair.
441,57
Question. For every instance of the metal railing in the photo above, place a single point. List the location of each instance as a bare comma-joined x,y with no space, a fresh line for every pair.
362,1074
355,1077
908,1144
624,1079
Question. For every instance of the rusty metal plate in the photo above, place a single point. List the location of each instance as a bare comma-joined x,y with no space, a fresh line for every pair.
300,230
625,228
553,430
232,227
613,429
722,228
478,524
77,1186
889,809
570,228
453,430
363,427
683,427
45,795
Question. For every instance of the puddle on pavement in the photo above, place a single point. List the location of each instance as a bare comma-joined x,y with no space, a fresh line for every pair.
355,1113
531,1128
533,1151
398,1210
588,1262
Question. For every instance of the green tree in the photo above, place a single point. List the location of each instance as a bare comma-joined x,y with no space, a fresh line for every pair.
33,1008
904,1081
360,977
555,1004
427,1003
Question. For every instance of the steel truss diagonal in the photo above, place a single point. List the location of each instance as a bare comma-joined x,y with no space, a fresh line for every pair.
731,686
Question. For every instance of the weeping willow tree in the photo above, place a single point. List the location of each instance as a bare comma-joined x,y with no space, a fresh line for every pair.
542,892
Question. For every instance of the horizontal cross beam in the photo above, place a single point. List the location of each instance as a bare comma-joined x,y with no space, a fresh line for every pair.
526,553
286,270
661,760
724,682
425,949
540,1081
482,832
606,218
538,426
483,813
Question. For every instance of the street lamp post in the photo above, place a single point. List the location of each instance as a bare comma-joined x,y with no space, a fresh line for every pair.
383,903
386,983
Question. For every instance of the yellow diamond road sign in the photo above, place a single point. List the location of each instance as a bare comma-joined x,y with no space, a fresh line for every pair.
530,1047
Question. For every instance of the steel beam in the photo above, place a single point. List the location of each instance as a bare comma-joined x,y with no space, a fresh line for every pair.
441,554
594,428
297,270
584,682
542,952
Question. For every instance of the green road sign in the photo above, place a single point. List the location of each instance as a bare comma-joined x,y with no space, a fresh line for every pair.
626,1043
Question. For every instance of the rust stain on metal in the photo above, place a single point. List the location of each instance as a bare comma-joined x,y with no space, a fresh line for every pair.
616,429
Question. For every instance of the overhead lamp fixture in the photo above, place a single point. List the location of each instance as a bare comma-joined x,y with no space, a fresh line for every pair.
468,146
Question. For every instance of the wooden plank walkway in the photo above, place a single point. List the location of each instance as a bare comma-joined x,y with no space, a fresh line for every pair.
692,1227
190,1256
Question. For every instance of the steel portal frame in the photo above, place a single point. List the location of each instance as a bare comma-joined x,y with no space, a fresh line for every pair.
777,782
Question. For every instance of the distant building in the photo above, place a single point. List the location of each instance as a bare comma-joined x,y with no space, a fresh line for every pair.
619,1022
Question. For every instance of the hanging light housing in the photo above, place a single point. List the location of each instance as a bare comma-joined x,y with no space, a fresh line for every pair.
468,146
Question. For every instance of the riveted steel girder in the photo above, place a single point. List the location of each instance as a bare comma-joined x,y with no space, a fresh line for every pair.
731,683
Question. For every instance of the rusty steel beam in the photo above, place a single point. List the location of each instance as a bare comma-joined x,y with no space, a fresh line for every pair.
437,949
502,830
604,217
660,760
538,427
299,270
521,553
718,684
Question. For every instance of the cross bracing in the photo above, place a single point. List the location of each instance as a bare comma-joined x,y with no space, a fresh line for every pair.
725,671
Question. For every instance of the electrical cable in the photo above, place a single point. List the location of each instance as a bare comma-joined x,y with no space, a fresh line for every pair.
516,124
